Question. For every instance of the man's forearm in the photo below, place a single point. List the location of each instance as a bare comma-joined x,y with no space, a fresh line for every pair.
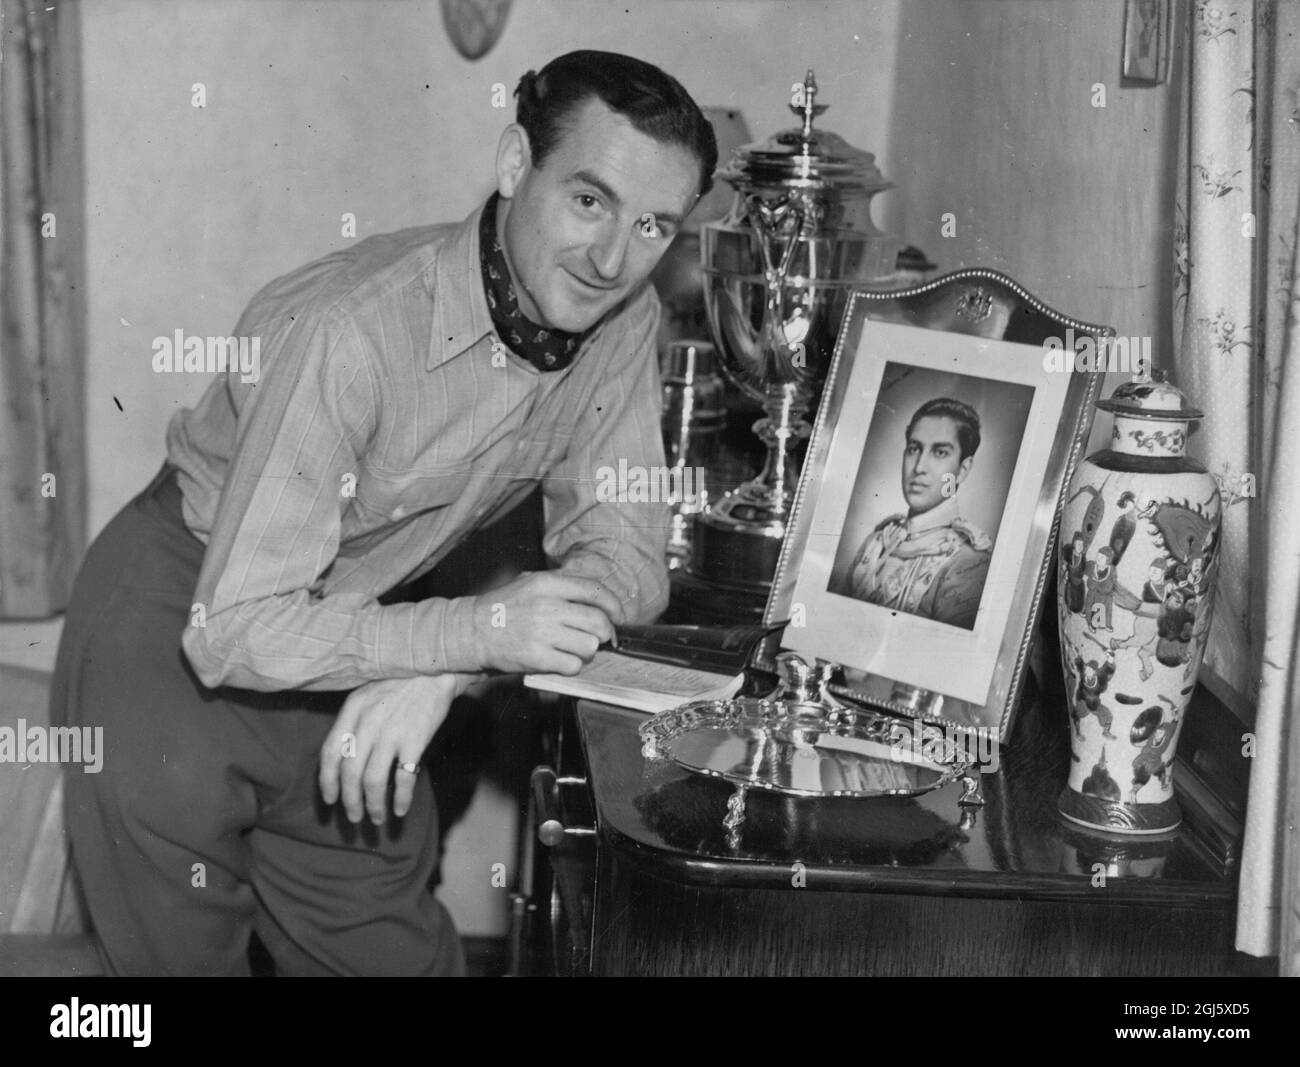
297,642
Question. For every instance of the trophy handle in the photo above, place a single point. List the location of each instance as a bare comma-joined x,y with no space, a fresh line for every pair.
795,217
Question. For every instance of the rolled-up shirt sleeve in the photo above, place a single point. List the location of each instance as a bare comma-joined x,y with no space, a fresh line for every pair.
619,542
259,620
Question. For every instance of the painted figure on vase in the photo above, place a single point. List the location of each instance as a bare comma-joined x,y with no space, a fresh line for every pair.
1156,735
1099,782
1094,676
1125,526
1094,514
1153,591
1100,581
1075,560
1174,627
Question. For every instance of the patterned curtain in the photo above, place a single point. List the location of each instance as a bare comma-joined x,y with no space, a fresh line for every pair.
42,515
1237,354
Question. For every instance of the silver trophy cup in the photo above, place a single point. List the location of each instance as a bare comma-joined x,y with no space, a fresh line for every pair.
778,270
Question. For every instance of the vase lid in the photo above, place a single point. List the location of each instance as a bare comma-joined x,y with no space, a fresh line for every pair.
1150,400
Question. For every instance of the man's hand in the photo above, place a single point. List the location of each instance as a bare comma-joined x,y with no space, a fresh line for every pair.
381,725
544,622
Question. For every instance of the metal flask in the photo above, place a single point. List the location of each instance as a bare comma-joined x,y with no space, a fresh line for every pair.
694,413
778,270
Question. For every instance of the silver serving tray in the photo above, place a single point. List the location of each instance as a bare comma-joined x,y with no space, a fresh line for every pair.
799,749
803,742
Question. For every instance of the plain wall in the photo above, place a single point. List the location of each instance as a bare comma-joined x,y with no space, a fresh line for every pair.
995,123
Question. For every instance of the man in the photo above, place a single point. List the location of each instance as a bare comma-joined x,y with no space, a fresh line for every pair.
929,562
229,629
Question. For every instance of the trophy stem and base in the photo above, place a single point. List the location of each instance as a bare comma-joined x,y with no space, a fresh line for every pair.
737,539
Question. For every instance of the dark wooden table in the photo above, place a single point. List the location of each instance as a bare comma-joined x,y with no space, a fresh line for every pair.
886,886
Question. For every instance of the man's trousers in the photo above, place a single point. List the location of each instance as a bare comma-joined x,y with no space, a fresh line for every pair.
205,822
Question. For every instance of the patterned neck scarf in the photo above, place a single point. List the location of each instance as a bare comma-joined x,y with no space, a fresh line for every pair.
547,350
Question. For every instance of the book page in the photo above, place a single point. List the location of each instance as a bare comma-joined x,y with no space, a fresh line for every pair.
609,668
637,683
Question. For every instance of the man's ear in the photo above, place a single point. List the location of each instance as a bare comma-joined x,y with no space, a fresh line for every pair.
514,159
964,469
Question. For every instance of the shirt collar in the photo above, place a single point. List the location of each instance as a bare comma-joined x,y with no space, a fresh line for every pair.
460,311
942,514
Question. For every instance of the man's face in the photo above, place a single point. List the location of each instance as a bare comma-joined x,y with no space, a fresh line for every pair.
587,227
932,463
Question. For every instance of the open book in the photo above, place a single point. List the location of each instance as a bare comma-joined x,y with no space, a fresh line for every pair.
660,667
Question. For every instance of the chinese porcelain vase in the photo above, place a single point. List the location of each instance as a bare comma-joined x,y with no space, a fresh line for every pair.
1137,563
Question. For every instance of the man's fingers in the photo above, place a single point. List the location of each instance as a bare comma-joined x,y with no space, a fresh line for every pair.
404,787
605,600
378,721
578,643
587,591
340,744
350,776
555,662
378,773
530,623
588,620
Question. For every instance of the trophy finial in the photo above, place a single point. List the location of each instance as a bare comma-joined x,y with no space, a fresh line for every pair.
809,108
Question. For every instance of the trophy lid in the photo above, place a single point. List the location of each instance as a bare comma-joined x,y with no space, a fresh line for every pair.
805,156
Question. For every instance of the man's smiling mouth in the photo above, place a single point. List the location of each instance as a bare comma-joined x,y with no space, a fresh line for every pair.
588,284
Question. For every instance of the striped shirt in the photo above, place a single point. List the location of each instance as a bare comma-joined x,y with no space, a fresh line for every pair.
388,423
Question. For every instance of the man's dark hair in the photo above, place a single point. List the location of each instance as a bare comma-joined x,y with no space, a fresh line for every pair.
968,422
654,102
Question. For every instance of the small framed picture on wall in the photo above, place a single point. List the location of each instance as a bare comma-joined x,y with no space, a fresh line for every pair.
1148,41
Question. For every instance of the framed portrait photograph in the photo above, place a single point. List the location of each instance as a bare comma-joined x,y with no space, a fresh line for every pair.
920,535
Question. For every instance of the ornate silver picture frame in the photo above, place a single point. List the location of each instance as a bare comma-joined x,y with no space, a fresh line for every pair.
929,599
